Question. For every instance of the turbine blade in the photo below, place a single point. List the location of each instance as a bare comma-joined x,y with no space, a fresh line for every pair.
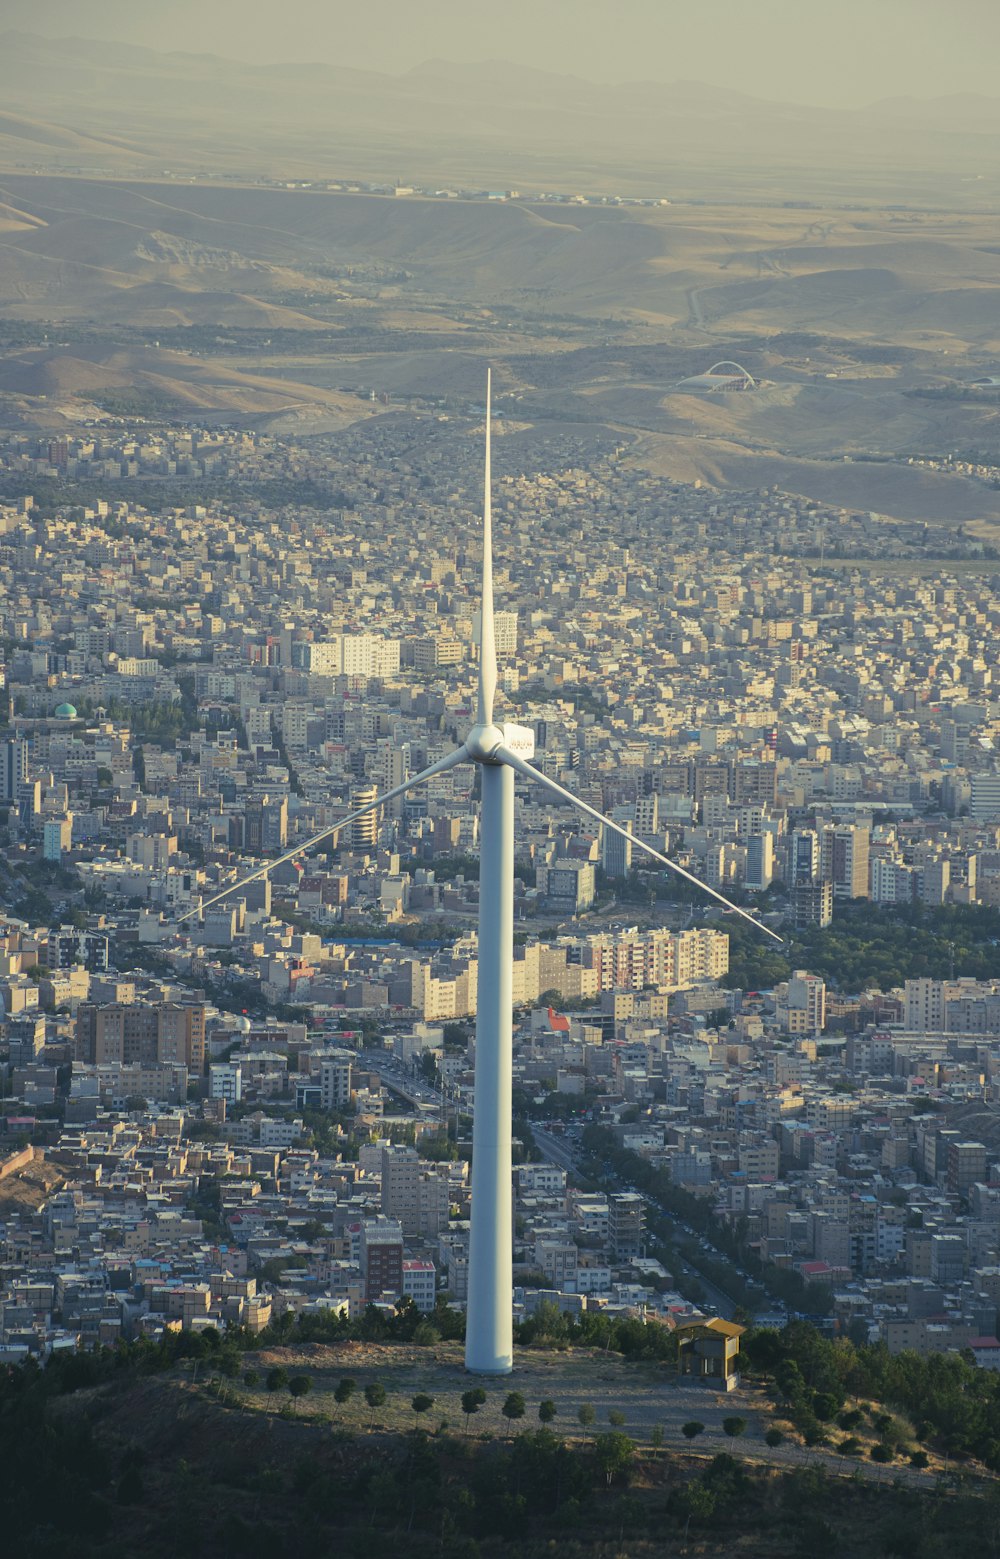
521,766
450,761
487,628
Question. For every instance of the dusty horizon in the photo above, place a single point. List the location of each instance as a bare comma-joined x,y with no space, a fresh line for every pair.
778,50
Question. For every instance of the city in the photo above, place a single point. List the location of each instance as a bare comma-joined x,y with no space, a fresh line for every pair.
499,832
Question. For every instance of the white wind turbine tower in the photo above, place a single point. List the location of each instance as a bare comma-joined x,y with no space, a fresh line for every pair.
501,751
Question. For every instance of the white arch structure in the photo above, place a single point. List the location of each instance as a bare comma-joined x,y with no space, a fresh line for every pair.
721,378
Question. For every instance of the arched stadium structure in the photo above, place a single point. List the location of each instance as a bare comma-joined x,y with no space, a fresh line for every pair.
719,379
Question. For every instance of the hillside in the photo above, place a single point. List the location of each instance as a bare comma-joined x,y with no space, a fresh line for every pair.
203,1458
286,308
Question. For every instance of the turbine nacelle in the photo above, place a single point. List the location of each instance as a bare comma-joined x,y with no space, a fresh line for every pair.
483,741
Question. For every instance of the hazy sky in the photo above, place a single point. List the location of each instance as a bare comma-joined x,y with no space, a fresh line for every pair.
839,52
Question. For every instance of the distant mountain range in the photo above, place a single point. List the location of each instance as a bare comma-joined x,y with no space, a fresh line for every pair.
80,103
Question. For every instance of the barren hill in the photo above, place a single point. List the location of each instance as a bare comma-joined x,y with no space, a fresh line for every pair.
864,329
495,124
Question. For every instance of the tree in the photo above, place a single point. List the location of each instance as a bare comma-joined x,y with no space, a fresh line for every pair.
774,1437
375,1397
547,1411
692,1429
513,1407
613,1452
656,1437
345,1391
698,1501
275,1380
299,1386
587,1414
734,1427
616,1418
421,1403
472,1401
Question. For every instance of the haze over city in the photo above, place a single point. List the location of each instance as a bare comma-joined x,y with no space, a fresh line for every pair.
499,780
801,51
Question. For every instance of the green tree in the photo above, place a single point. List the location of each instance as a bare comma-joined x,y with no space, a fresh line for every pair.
616,1418
513,1407
774,1437
656,1437
613,1452
692,1429
375,1397
472,1401
734,1427
299,1386
547,1411
345,1391
587,1415
698,1501
421,1403
276,1379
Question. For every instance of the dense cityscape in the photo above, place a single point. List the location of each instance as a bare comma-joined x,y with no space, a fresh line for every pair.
192,690
499,782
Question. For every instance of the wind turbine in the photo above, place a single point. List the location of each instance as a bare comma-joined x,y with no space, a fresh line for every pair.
501,751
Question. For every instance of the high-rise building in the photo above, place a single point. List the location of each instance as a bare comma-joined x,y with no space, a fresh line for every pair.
754,780
364,832
401,1188
225,1081
381,1259
985,801
13,767
335,1079
265,825
844,860
812,903
347,654
803,857
806,1004
760,861
966,1166
141,1033
57,836
626,1223
647,815
616,852
504,629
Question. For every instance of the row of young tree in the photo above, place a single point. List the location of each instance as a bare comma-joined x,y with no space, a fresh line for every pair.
744,1267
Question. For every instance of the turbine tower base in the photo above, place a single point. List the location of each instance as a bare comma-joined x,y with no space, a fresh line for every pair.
489,1344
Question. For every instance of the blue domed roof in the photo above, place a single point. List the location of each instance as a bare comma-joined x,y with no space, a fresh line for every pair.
65,712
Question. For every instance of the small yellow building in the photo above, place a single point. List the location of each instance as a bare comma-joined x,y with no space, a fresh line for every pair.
710,1351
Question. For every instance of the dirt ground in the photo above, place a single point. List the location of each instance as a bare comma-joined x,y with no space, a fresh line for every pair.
647,1394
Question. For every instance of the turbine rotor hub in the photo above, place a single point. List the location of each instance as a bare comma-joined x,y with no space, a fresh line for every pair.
482,742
